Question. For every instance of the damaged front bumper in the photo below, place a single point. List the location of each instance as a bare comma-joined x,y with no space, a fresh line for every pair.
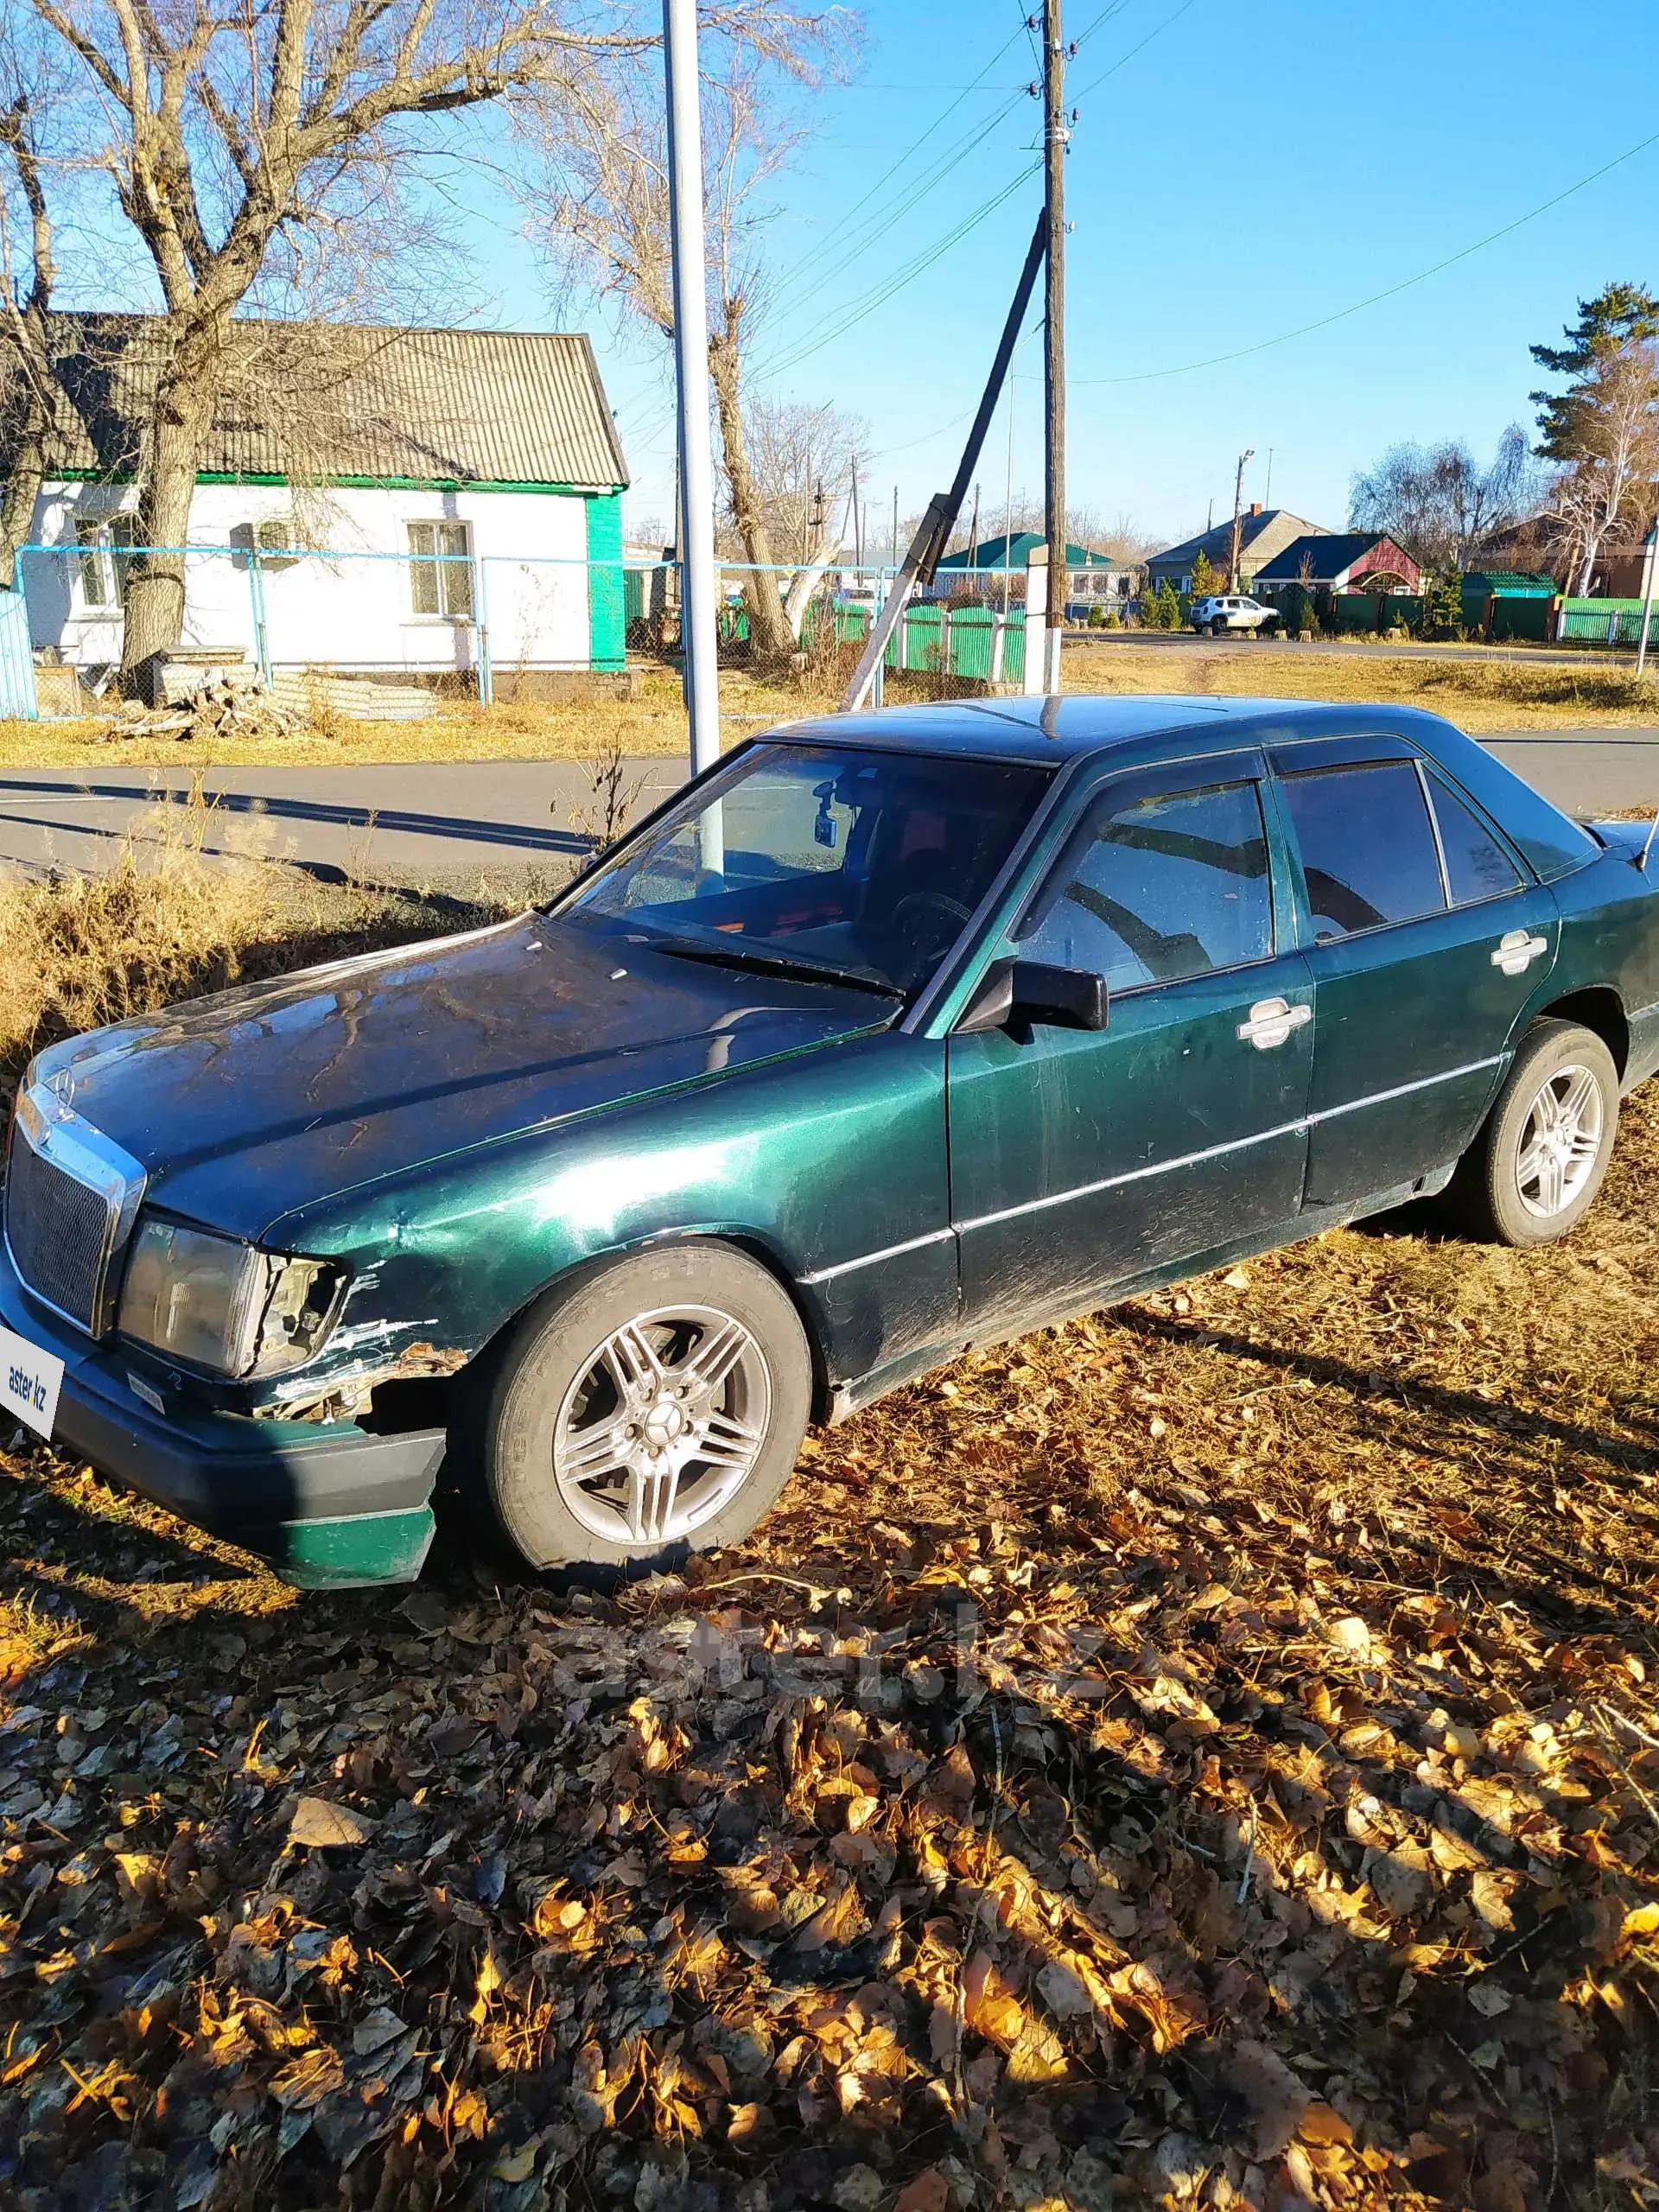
326,1504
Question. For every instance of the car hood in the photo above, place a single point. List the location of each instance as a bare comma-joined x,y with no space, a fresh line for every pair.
282,1095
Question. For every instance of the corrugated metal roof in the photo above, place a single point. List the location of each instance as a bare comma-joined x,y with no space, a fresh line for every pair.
1276,524
320,402
1013,552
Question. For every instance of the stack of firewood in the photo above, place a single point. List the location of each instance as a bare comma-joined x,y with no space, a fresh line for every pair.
224,707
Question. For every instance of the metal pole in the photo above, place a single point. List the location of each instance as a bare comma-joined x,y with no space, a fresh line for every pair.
1055,135
698,635
256,592
481,630
1651,550
1007,504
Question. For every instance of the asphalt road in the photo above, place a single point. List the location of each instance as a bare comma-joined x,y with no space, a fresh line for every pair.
447,825
443,824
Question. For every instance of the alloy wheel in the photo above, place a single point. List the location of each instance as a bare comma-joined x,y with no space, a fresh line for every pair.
664,1425
1561,1140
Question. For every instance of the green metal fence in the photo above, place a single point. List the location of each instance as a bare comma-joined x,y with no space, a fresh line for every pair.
1602,621
958,641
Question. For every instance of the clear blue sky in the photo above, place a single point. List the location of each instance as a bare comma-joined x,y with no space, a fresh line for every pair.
1244,172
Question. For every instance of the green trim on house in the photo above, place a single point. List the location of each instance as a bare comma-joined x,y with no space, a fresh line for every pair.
360,483
607,622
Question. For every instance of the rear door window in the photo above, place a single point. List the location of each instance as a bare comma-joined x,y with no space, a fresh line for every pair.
1157,888
1368,847
1477,867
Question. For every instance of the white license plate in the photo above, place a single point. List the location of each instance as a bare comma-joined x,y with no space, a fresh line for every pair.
29,1382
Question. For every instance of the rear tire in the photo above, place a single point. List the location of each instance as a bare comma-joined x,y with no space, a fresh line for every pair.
1533,1173
652,1410
1217,629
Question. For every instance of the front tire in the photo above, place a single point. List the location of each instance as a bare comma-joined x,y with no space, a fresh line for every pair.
1533,1171
652,1410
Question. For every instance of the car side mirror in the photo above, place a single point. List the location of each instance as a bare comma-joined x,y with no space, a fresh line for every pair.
1035,991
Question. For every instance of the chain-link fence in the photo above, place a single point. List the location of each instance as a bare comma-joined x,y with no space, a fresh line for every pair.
400,627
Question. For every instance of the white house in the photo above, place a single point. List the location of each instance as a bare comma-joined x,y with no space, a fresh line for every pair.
458,499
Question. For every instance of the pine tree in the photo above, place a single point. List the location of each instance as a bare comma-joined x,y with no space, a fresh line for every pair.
1620,316
1167,606
1206,579
1443,603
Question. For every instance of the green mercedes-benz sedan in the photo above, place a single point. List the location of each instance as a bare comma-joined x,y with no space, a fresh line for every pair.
893,1035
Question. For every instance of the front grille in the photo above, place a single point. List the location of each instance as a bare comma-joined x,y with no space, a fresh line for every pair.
59,1232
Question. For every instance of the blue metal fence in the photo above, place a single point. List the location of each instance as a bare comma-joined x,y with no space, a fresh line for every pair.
18,701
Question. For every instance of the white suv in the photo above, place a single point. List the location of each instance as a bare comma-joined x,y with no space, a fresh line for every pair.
1221,614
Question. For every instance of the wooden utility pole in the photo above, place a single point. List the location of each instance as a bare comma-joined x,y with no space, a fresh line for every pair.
1055,135
1238,516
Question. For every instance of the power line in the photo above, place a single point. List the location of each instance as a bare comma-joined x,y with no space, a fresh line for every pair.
1105,16
901,278
885,218
816,252
1157,32
1392,291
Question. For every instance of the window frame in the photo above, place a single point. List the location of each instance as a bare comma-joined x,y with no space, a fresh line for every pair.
433,563
1219,771
103,545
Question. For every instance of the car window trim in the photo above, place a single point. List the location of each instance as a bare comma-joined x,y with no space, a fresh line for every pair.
1410,758
1220,783
1435,832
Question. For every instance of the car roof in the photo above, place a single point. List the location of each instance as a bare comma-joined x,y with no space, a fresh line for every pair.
1146,726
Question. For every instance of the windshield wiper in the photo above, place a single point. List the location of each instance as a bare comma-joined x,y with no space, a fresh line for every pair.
772,963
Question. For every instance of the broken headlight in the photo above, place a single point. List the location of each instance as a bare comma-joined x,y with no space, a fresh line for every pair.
214,1303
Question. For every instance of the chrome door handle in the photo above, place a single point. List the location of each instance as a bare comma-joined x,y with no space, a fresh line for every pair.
1272,1022
1515,950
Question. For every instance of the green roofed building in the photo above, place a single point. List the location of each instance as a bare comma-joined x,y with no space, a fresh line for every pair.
1091,579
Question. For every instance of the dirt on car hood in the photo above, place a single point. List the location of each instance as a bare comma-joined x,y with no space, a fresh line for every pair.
259,1100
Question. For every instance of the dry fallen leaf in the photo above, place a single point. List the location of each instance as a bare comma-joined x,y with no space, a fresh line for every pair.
315,1822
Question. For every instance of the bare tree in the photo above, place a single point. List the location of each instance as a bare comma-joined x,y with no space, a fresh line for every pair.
34,412
1612,478
604,220
804,459
235,139
1439,504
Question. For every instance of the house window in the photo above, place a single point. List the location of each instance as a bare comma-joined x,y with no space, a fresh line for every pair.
440,569
277,538
105,542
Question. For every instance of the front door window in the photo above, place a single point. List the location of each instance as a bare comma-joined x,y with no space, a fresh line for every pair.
1158,887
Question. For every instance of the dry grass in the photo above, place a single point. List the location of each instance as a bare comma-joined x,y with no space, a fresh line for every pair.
1480,694
167,922
1205,1755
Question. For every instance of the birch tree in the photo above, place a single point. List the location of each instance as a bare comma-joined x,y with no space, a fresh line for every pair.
1613,447
1439,504
603,220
